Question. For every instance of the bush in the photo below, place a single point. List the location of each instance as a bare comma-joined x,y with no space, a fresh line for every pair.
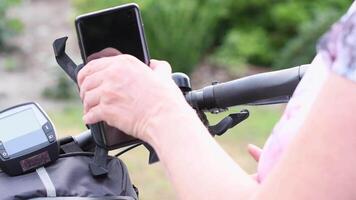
244,46
301,49
279,34
177,31
182,33
63,90
8,27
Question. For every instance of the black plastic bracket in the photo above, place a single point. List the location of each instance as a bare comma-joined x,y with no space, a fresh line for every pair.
64,61
228,122
98,166
153,157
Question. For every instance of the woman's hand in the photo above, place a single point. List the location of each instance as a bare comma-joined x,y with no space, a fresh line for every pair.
129,95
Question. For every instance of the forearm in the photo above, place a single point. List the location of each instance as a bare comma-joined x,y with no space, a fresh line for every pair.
320,161
195,163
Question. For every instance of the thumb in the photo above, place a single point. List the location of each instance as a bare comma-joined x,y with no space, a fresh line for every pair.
107,52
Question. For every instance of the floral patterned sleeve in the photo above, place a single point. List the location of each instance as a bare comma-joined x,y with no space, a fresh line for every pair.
338,46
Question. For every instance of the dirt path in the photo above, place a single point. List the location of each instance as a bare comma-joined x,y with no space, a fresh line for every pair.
44,21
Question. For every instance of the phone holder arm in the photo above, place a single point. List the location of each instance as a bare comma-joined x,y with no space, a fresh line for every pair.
64,61
98,165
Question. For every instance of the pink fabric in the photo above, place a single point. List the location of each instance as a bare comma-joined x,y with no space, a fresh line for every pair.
305,94
292,118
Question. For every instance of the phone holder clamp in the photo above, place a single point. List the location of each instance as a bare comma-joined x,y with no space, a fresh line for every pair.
98,166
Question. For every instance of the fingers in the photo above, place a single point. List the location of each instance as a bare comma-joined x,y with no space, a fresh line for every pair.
254,151
94,115
90,83
91,99
92,68
95,79
102,63
161,67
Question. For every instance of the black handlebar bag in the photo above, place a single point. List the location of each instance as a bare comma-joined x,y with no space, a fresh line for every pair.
70,178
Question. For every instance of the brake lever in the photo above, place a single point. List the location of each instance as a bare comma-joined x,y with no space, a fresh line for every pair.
228,122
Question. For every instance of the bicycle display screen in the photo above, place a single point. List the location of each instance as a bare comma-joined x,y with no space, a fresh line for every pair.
17,138
27,139
109,32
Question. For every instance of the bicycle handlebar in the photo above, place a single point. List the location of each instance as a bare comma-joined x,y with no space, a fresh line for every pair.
84,139
247,90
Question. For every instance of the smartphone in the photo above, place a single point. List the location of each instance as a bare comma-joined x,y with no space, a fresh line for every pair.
107,33
119,28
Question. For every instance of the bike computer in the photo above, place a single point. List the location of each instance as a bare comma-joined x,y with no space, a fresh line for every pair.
27,139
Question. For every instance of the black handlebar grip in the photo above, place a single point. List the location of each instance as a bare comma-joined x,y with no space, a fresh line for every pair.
248,89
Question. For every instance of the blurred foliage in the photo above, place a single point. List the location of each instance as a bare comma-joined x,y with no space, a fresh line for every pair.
8,26
63,89
68,119
177,31
243,47
301,49
10,65
277,33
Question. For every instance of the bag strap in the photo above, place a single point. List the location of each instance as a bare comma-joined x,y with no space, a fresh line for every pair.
85,198
47,182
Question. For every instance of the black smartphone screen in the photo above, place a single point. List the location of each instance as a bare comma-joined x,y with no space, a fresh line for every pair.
110,30
108,33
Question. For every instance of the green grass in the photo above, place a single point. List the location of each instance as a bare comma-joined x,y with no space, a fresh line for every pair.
68,121
254,130
150,179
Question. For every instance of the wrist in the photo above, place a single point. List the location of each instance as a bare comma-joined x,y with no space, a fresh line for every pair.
165,125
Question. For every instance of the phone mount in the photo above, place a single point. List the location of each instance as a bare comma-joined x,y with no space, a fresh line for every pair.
98,166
